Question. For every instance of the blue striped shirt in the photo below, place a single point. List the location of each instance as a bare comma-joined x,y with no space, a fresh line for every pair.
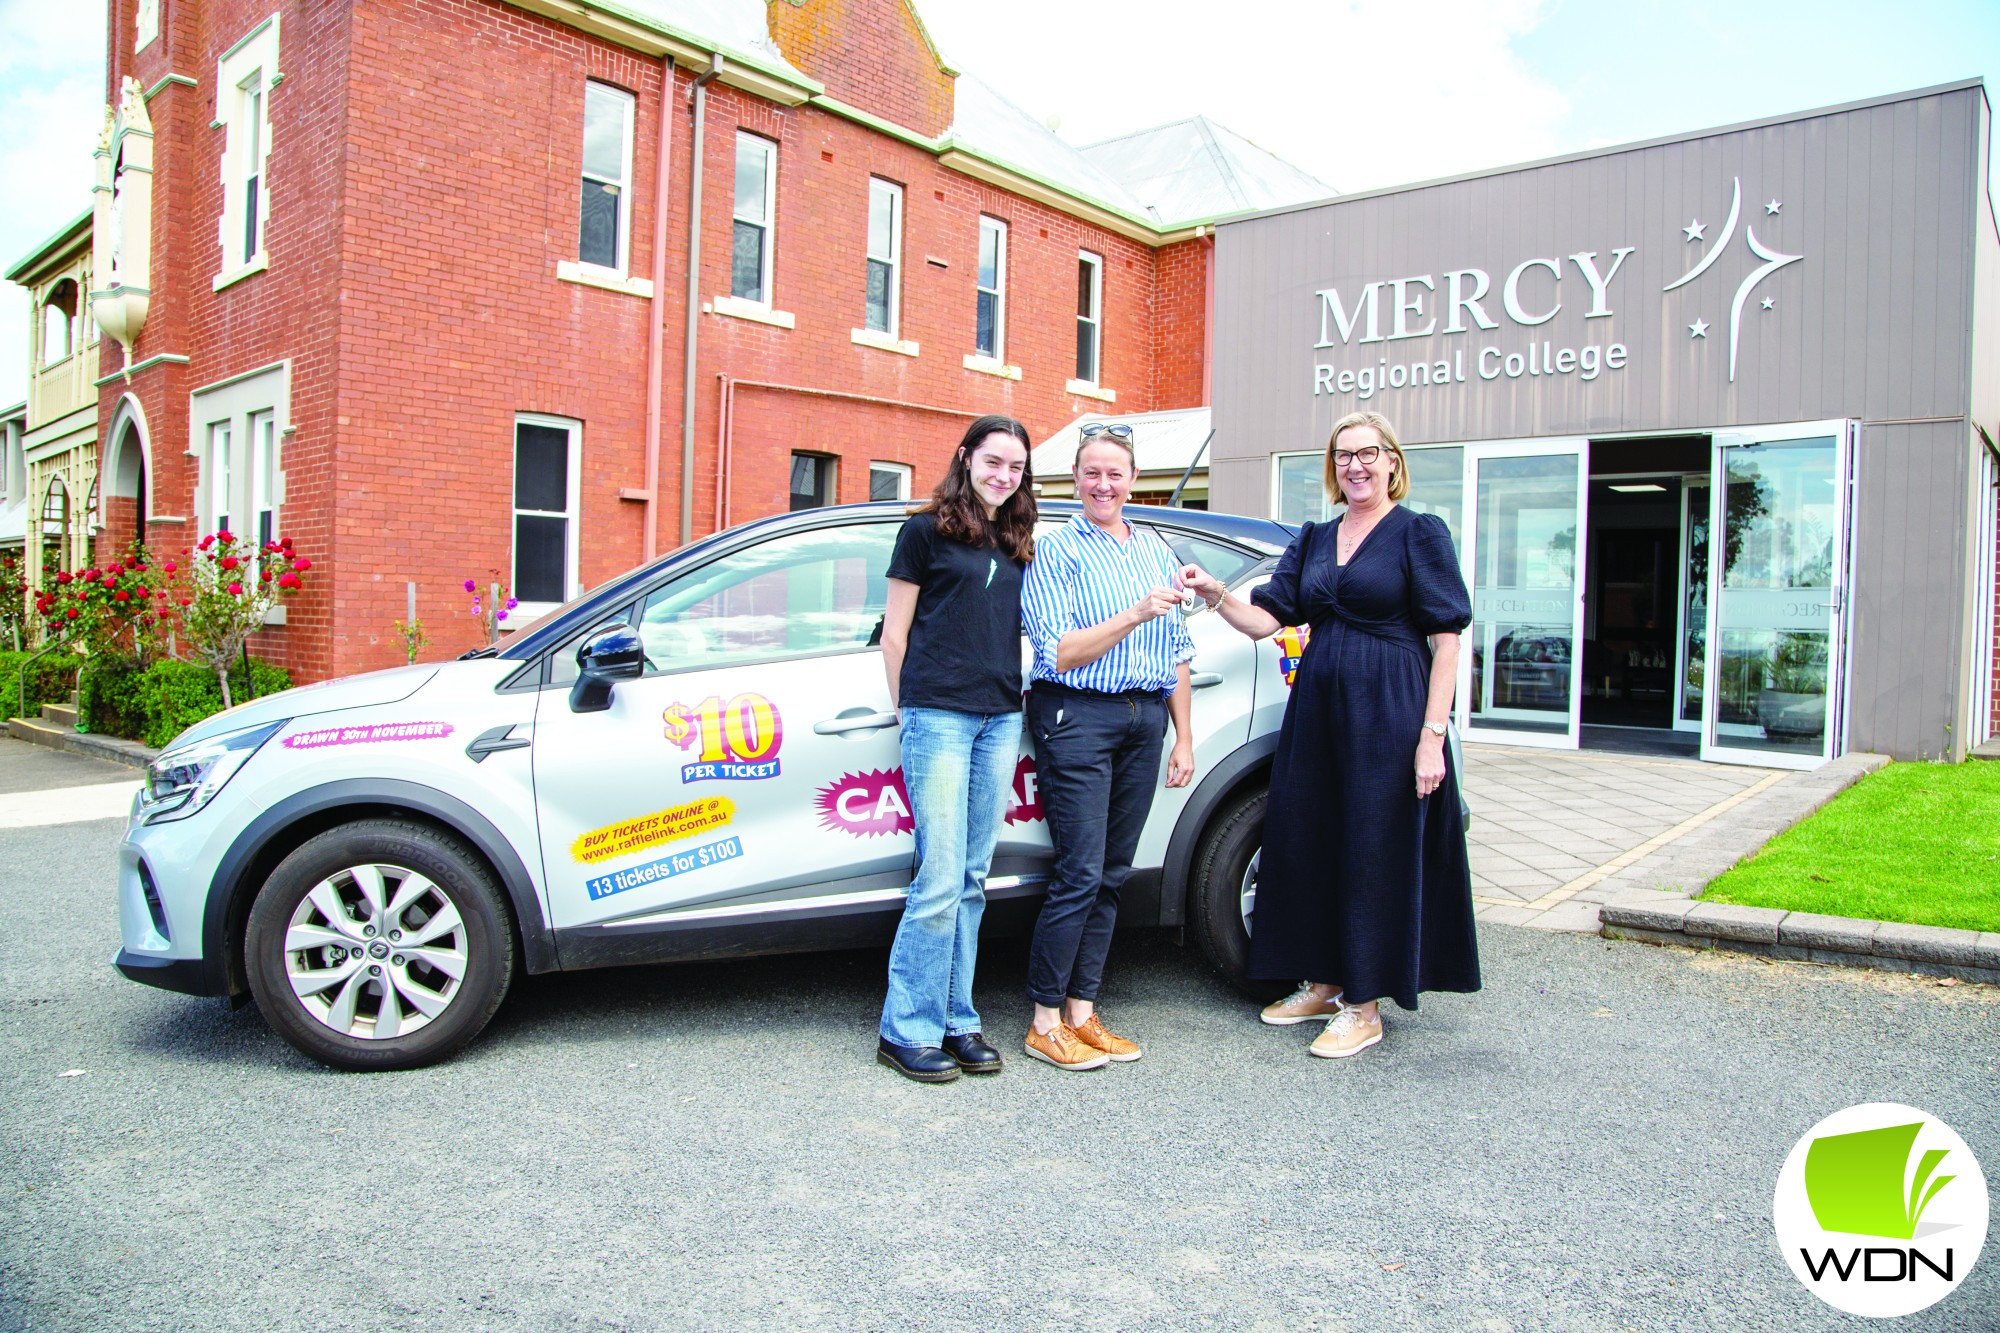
1082,576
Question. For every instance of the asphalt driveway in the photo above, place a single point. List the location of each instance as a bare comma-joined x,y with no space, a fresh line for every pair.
1590,1143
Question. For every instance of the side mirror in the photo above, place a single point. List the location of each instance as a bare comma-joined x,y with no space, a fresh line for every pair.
613,654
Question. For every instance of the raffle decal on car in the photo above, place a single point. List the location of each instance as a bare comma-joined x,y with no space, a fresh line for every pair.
368,735
1291,642
643,831
877,802
674,863
739,739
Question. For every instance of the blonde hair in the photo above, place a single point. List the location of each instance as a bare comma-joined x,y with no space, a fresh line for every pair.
1399,480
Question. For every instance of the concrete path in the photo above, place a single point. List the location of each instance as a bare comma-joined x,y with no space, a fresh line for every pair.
1552,830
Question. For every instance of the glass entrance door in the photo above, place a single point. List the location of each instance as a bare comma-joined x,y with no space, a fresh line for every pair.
1777,587
1521,661
1691,658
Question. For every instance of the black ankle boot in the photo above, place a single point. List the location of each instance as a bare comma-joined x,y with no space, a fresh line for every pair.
972,1053
925,1064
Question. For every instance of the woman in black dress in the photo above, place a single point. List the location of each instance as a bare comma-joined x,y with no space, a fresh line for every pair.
1363,883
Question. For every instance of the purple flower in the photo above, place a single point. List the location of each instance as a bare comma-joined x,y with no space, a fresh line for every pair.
513,602
501,616
470,585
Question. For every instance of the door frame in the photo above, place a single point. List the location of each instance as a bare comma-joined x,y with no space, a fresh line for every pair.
1681,617
1475,454
1834,743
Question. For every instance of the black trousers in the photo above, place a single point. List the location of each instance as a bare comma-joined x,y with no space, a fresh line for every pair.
1098,760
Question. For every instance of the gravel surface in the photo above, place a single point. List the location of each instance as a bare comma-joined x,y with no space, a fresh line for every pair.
1589,1144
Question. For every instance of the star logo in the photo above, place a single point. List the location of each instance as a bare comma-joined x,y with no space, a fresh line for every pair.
1694,229
1773,261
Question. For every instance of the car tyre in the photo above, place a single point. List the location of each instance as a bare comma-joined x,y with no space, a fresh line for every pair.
326,973
1225,858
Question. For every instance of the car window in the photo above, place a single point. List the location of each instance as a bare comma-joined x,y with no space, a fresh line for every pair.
801,593
1227,563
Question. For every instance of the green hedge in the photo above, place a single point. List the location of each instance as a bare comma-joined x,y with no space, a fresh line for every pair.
50,680
154,704
173,696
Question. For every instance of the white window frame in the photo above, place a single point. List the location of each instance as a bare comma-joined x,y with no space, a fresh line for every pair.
572,481
245,76
902,472
266,474
768,222
892,194
1277,489
998,229
218,465
1095,263
622,247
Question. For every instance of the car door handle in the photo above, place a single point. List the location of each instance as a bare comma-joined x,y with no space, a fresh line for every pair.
834,726
1201,680
492,741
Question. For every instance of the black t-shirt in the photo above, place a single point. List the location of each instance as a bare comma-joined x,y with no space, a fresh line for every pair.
965,640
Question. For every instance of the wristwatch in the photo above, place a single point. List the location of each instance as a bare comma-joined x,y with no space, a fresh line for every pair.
1436,728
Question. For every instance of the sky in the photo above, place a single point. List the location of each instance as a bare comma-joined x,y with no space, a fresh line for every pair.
1361,93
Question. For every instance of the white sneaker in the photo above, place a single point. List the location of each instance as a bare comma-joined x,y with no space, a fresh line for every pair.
1301,1006
1348,1034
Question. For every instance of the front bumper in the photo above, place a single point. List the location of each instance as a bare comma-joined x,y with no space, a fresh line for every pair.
189,976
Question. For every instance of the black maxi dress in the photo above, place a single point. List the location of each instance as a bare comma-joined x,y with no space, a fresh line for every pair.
1360,882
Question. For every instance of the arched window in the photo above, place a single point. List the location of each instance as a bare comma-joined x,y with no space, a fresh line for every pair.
58,322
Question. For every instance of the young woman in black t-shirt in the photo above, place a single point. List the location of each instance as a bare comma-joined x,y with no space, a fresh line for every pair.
951,643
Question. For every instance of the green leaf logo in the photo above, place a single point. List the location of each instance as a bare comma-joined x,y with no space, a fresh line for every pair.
1855,1181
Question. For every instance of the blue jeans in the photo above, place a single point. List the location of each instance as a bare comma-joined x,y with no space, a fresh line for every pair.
959,768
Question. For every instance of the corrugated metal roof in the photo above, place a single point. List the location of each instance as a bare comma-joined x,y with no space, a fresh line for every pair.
984,120
1163,441
1193,170
739,24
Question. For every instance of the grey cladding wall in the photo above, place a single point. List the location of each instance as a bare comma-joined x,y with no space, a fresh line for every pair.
1847,281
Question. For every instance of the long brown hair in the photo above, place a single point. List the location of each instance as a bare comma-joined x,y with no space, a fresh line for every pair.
959,514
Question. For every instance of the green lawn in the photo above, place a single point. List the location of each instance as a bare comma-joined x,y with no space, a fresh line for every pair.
1913,842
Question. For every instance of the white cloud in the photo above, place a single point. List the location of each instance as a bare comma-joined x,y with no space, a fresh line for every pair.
51,107
1361,94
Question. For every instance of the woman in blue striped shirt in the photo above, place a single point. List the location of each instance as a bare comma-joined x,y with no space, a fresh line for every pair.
1102,606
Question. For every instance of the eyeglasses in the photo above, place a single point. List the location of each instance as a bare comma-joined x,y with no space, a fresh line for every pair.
1366,455
1117,430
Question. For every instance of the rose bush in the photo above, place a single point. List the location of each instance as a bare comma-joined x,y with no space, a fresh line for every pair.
222,590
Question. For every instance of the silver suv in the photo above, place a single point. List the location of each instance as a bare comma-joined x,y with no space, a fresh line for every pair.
695,760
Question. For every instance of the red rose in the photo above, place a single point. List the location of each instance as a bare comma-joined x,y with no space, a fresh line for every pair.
62,576
230,562
90,576
224,536
171,566
235,590
265,577
121,596
302,565
285,542
187,601
70,614
288,581
207,541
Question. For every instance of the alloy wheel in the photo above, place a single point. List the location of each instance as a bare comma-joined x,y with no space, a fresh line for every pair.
375,951
1247,894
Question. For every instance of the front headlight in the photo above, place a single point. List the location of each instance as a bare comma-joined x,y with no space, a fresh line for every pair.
182,781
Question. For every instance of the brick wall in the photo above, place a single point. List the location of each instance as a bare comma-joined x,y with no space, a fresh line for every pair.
424,180
872,54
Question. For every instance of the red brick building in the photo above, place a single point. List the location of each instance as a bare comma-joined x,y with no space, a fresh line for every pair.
413,286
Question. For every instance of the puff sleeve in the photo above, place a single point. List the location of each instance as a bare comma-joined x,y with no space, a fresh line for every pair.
1280,594
1438,601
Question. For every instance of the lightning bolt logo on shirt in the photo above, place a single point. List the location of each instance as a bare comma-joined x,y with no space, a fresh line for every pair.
991,565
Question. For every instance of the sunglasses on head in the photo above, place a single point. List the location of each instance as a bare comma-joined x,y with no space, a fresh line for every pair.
1116,430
